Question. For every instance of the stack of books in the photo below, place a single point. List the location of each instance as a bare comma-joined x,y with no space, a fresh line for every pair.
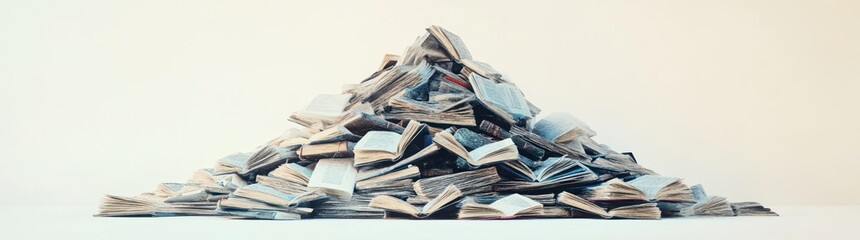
432,134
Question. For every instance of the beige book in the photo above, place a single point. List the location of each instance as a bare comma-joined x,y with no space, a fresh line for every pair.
377,146
445,199
635,211
500,151
511,206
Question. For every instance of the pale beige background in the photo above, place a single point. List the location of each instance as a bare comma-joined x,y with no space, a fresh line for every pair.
757,100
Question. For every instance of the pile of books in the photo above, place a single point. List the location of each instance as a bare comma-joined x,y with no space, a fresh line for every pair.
432,133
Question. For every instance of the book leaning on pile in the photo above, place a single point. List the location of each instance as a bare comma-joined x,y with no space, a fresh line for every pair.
432,134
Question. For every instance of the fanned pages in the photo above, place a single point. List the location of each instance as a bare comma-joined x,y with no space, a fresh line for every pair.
334,176
378,146
443,200
508,207
500,151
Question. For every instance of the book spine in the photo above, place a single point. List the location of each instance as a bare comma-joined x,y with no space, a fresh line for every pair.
494,130
527,149
382,123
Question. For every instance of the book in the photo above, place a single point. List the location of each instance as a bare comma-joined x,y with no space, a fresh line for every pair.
151,205
324,108
271,196
710,206
451,43
354,208
334,134
335,177
267,215
362,123
523,144
403,174
342,149
235,203
547,199
377,146
503,99
751,209
634,211
232,163
468,182
369,172
481,68
496,152
644,188
556,172
469,139
511,206
561,127
267,158
285,186
291,138
539,141
445,199
292,172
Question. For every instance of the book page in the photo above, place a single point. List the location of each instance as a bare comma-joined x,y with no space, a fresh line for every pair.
517,104
336,174
698,193
485,150
557,124
651,184
330,105
504,96
379,141
514,203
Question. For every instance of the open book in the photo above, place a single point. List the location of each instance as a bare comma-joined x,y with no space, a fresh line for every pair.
333,134
292,172
636,211
335,177
500,151
378,146
452,43
268,157
325,108
508,207
644,188
503,99
269,195
556,172
426,153
232,163
561,127
710,206
553,168
445,199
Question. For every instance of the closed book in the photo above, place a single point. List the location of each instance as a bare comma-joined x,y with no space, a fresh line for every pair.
327,150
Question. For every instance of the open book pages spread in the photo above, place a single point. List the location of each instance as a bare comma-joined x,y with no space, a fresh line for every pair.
431,133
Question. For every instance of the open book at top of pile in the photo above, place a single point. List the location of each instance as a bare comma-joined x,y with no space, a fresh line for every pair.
432,133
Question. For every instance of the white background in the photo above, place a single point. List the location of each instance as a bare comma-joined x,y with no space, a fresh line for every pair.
756,100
